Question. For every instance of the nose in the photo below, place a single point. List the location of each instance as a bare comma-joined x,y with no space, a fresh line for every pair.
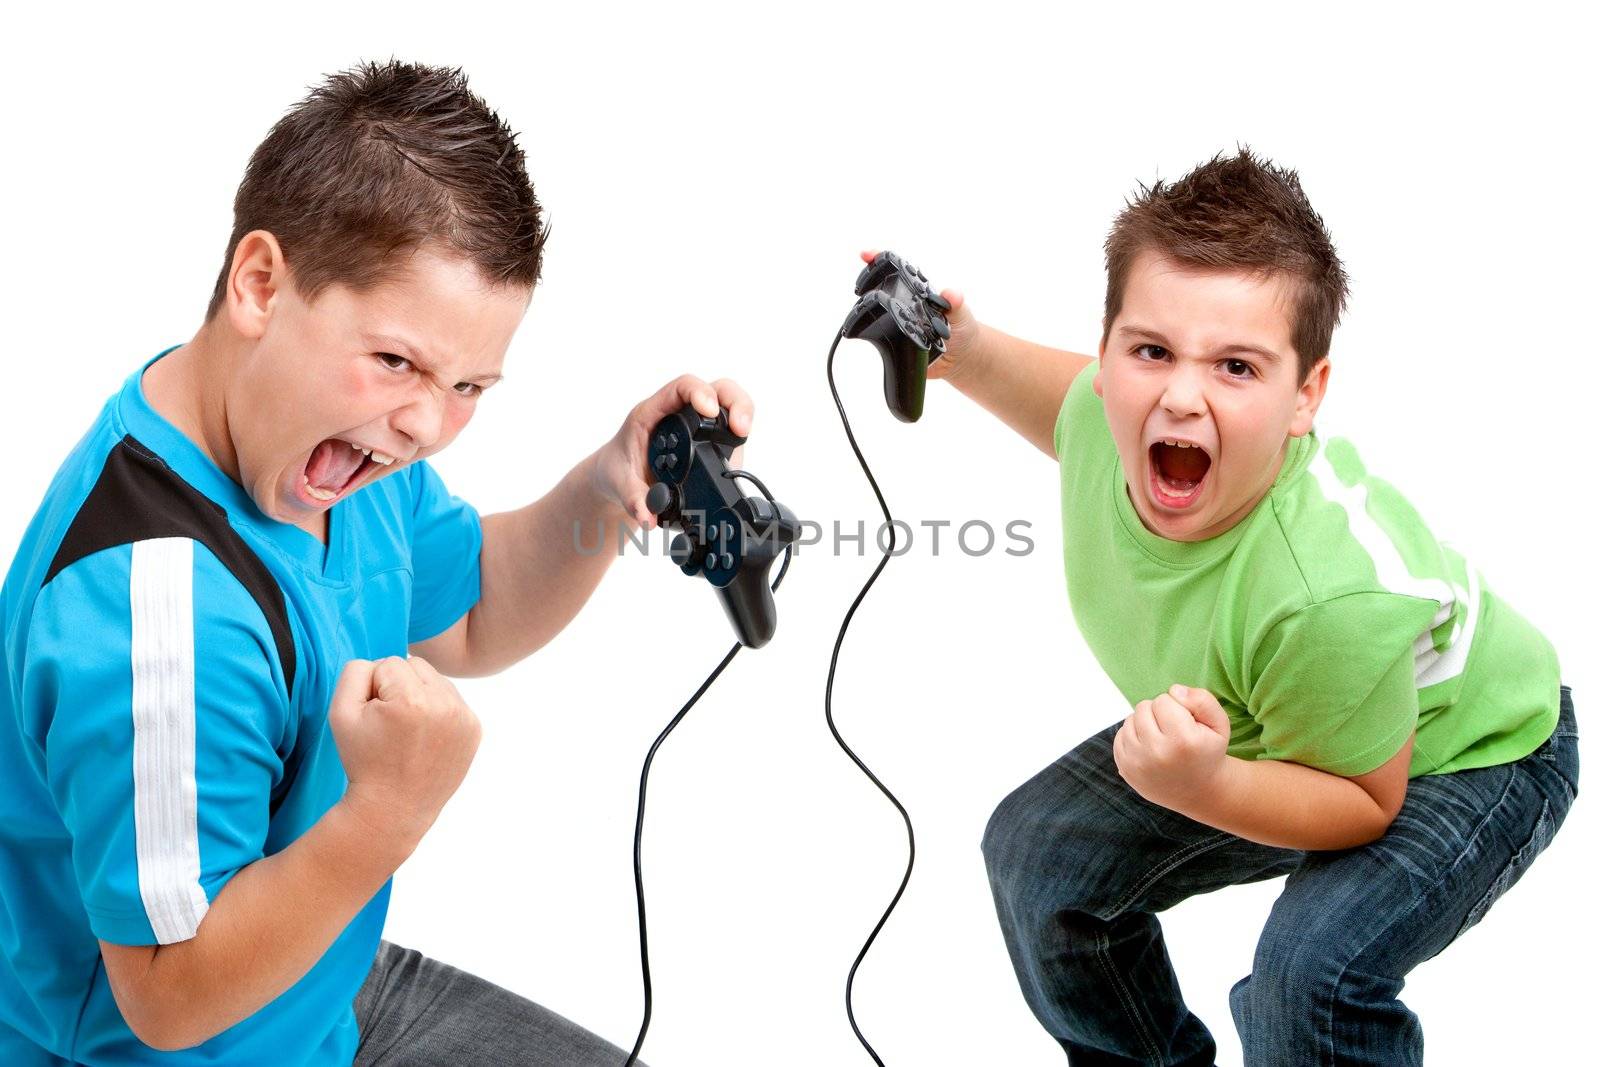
421,420
1185,392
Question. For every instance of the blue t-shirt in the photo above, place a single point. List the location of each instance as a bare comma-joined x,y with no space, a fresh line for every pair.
169,654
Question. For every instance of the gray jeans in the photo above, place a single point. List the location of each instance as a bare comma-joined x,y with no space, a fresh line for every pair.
412,1010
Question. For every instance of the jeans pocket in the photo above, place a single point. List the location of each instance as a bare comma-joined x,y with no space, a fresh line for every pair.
1544,828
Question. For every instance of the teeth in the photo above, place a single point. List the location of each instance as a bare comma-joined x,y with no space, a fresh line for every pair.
381,457
319,494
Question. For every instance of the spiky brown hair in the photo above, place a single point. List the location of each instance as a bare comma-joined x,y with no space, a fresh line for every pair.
378,161
1238,212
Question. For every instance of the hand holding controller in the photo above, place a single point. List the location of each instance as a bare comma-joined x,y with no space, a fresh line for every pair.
904,318
730,538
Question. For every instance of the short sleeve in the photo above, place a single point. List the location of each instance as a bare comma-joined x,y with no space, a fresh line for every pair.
1075,399
153,682
1335,683
446,536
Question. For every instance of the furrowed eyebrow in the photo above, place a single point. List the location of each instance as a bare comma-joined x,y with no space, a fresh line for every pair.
386,342
1266,354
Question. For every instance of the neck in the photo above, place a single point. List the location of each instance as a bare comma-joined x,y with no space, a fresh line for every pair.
189,388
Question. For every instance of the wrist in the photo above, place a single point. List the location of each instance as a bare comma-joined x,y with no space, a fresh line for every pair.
1211,792
364,826
593,498
971,363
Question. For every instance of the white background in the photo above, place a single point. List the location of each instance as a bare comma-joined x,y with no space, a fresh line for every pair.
710,176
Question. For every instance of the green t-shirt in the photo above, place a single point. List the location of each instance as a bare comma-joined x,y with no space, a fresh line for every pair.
1328,621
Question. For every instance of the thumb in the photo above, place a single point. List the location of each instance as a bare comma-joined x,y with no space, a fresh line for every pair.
1204,707
353,689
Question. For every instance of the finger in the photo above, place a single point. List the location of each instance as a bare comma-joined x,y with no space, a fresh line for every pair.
430,677
684,389
426,672
1144,727
393,679
869,254
354,686
1171,717
741,409
692,390
1205,708
955,298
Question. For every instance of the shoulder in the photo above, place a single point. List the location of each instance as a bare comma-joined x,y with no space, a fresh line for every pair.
143,539
1348,532
1082,417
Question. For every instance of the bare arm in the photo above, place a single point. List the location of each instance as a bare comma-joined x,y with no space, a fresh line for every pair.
533,577
1293,806
539,565
1021,383
269,925
1173,751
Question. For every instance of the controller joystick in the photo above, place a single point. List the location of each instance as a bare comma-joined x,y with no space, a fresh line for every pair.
904,318
729,538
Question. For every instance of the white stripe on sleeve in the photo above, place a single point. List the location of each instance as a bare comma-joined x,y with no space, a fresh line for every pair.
166,829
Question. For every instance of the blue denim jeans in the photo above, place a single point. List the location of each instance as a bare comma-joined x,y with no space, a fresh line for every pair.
1080,864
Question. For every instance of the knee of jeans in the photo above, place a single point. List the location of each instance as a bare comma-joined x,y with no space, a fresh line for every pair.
1288,966
998,853
1033,874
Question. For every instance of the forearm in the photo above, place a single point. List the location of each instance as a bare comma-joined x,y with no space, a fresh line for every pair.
1019,382
539,565
266,928
1290,805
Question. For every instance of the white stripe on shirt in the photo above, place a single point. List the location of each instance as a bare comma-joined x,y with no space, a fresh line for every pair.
166,828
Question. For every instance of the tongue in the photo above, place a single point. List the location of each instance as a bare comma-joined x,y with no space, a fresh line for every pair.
332,463
1181,467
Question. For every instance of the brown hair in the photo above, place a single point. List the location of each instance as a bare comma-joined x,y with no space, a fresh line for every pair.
1236,213
374,163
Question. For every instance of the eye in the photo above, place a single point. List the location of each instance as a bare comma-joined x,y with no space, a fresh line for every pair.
469,389
1156,351
392,361
1249,371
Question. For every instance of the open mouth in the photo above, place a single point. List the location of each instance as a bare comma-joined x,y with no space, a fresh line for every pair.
1177,473
337,467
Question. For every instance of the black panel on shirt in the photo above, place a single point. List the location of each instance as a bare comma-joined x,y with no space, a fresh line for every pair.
139,497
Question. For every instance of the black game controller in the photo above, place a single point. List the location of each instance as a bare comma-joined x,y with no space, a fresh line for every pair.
730,538
899,312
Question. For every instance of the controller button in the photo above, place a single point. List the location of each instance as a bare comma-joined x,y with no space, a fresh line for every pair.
940,327
672,460
659,498
937,301
727,531
672,440
661,462
661,442
726,559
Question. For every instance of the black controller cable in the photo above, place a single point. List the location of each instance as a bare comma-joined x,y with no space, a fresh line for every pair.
644,781
911,837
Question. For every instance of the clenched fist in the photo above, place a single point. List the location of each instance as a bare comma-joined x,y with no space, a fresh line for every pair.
1171,749
406,739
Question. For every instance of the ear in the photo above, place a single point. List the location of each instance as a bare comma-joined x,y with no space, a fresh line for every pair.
1309,399
257,275
1099,363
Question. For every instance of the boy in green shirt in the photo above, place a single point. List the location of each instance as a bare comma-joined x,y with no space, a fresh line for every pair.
1319,687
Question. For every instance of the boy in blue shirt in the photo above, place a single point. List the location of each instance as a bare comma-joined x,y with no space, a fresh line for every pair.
224,716
1319,687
